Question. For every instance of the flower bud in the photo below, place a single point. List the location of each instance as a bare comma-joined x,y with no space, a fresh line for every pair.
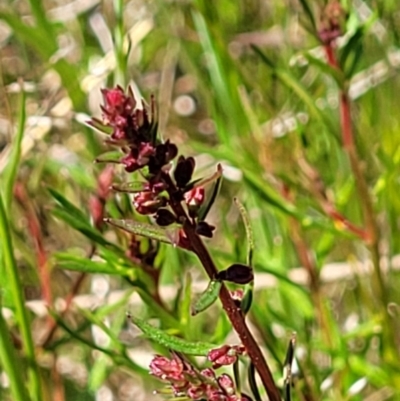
226,383
183,171
222,356
194,199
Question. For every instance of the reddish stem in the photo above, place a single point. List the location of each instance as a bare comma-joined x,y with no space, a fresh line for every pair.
366,203
234,313
37,238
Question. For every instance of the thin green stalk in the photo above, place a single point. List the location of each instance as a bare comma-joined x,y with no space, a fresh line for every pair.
12,166
39,13
120,56
19,303
11,364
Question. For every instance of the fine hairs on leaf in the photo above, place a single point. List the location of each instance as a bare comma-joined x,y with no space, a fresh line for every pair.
171,342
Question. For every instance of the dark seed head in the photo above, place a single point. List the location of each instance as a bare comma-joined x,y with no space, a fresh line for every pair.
184,170
164,217
237,273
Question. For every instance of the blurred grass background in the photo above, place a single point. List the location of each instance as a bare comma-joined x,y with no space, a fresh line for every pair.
271,117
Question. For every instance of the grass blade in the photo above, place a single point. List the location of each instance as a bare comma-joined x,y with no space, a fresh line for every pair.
10,361
19,302
12,166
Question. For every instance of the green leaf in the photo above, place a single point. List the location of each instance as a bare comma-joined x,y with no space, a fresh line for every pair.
208,297
309,12
82,227
218,77
129,187
99,125
117,358
327,69
171,342
376,375
249,231
70,262
68,206
351,45
45,45
109,157
203,212
167,235
10,172
298,89
256,184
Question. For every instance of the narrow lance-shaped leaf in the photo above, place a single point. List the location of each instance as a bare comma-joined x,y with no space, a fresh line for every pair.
298,89
167,235
10,171
247,300
208,297
109,157
71,262
68,206
129,187
203,212
82,227
249,231
334,72
309,13
171,342
99,125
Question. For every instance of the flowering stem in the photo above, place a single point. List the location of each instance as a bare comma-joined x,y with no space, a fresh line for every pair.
234,313
135,130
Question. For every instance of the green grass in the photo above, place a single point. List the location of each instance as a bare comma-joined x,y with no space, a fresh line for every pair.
271,106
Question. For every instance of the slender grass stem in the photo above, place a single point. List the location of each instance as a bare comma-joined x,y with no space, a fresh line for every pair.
19,304
9,360
11,171
39,13
120,53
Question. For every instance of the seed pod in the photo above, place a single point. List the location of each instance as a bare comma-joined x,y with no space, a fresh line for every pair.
205,229
164,217
237,273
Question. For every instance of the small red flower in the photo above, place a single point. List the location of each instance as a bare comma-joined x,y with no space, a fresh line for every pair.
194,199
167,369
225,355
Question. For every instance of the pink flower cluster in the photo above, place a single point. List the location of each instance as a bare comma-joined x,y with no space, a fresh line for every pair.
134,131
187,381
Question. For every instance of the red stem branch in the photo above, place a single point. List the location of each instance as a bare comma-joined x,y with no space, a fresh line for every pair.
233,312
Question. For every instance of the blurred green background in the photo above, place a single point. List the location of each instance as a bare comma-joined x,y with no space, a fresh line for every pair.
241,83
